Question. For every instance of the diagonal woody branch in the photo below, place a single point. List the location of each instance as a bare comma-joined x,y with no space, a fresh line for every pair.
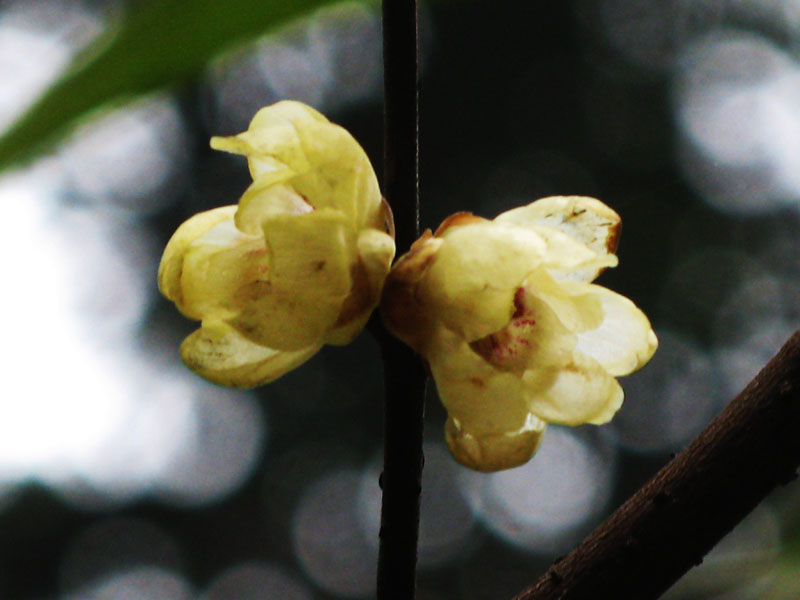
678,516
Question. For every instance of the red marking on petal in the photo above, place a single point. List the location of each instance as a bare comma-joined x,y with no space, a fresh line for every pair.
523,322
519,303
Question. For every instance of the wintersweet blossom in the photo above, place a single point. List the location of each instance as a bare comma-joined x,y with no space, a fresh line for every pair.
514,333
300,261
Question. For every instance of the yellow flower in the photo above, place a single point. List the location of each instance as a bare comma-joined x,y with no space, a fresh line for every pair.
514,333
300,261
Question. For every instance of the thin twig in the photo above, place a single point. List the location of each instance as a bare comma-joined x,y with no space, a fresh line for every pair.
404,375
678,516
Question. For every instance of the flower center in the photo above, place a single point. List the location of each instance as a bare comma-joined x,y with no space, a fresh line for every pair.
510,348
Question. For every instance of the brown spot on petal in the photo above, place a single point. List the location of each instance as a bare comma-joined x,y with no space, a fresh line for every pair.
457,220
612,240
360,298
477,382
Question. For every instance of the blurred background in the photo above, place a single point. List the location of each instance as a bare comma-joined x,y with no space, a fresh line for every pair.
124,476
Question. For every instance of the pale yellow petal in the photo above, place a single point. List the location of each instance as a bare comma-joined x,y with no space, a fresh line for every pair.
221,270
586,220
484,399
311,257
624,341
171,266
285,110
272,141
219,353
269,195
493,451
331,168
375,252
566,256
582,392
472,279
489,426
575,305
535,336
341,175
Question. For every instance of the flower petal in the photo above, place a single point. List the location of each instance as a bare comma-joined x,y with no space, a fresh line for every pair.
375,250
484,399
582,392
219,269
623,342
493,451
575,305
330,167
272,141
171,266
471,282
586,220
219,353
489,426
269,195
311,257
534,336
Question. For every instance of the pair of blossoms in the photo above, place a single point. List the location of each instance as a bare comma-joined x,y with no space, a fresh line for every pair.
503,311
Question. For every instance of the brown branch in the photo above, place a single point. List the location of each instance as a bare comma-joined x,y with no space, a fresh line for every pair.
404,375
679,515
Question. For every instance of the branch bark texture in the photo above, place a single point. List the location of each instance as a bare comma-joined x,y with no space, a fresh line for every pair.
404,375
678,516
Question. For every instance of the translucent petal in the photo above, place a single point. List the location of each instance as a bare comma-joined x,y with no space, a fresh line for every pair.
171,266
575,305
623,342
222,270
471,282
494,451
268,196
330,167
272,141
535,337
375,251
311,257
285,110
219,353
582,392
586,220
484,399
342,176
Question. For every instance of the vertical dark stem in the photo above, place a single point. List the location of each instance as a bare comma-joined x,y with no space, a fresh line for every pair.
403,372
401,144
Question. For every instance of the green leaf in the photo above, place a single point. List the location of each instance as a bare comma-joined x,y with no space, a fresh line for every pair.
159,42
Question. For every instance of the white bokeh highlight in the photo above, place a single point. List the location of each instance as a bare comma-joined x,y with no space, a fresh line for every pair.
329,538
737,103
544,505
257,581
87,412
38,38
